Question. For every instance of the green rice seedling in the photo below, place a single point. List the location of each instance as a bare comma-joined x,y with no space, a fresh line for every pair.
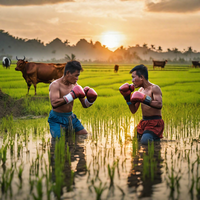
68,155
11,145
59,165
38,189
192,187
31,183
122,191
198,186
19,149
173,181
111,173
20,171
6,181
99,189
4,154
48,181
135,146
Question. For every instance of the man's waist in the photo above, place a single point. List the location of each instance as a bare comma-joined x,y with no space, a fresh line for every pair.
62,113
152,117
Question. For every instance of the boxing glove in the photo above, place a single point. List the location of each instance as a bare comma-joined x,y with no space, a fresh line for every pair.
126,90
140,97
76,92
91,96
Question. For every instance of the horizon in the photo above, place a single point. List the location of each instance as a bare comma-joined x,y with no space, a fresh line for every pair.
114,23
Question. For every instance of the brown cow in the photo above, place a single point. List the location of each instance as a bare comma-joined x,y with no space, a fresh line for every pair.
116,68
196,63
34,73
159,63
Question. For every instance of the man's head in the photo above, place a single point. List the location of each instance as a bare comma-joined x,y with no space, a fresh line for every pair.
73,66
72,71
139,74
140,70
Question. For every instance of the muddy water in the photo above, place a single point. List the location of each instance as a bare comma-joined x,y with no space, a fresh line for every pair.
168,174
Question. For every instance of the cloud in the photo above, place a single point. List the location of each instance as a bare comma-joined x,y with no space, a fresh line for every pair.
173,6
31,2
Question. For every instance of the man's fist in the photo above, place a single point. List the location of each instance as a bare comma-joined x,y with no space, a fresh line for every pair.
140,97
91,96
76,92
126,90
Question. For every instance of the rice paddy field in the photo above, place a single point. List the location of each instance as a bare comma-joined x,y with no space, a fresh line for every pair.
108,163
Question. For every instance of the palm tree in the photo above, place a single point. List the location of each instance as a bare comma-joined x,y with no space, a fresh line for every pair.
73,57
66,42
159,49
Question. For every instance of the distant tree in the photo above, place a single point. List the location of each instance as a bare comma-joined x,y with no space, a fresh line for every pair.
145,46
175,51
169,50
159,49
189,52
66,42
152,47
137,45
70,58
91,42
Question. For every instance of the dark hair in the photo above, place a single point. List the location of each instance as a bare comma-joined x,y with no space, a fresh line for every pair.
72,66
140,70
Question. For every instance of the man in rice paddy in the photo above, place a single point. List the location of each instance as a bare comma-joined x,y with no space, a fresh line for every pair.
62,93
149,96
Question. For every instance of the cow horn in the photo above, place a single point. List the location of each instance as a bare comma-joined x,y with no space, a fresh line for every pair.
17,58
24,58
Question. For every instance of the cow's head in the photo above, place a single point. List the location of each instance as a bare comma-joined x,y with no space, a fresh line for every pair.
20,64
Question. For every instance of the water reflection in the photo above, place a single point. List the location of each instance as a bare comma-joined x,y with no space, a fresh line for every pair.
76,165
146,169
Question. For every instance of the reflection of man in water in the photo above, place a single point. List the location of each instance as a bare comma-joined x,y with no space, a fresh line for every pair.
77,151
137,176
149,96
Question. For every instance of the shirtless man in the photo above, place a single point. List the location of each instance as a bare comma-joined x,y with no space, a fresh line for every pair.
149,95
62,93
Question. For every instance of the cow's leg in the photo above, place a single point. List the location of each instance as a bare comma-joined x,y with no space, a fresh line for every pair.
35,88
28,85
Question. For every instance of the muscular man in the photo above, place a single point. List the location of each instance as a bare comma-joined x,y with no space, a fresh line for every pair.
149,96
62,93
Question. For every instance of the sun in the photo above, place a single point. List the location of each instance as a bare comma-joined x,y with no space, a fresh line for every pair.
111,39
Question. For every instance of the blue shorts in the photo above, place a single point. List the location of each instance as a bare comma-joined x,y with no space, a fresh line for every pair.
148,136
61,120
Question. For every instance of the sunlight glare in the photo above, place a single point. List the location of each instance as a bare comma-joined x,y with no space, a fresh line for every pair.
111,39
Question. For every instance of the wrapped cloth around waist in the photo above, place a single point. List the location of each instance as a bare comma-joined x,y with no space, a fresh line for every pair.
153,124
152,117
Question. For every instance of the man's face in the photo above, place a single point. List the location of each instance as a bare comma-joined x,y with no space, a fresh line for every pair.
137,81
73,78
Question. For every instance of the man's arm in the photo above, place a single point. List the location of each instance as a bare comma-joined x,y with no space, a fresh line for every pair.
54,94
157,97
134,107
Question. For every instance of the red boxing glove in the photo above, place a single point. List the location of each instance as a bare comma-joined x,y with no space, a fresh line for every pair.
76,92
91,96
126,90
140,97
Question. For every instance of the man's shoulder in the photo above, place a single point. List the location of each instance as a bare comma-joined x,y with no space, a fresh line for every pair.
156,88
54,84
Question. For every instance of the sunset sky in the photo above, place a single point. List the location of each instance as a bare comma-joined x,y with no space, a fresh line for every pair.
165,23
